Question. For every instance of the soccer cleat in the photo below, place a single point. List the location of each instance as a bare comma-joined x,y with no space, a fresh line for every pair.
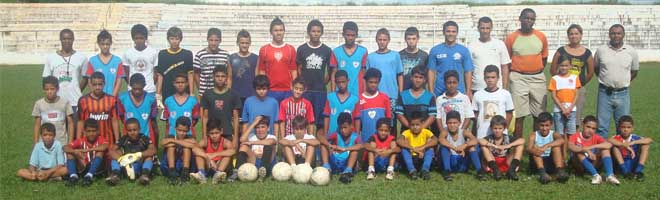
371,175
234,176
639,176
612,179
389,175
562,176
144,179
512,175
172,179
345,178
596,179
87,181
413,175
262,173
481,176
426,175
446,176
545,178
185,175
72,181
218,177
497,175
198,178
112,180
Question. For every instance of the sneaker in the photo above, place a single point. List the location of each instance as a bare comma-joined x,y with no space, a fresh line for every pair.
198,178
639,176
218,177
497,174
371,175
72,181
426,175
390,175
345,178
481,176
596,179
87,181
413,175
545,178
185,176
262,173
112,180
612,179
562,176
144,179
512,176
446,176
172,180
234,176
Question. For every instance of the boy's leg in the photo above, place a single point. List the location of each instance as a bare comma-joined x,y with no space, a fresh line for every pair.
515,162
445,155
371,170
407,158
571,124
473,153
640,159
59,172
289,155
426,165
26,174
559,165
324,157
352,159
267,158
559,122
309,154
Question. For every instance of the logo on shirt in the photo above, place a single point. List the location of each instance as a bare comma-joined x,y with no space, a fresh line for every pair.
342,64
145,116
99,116
278,56
129,115
141,65
356,64
333,111
113,70
457,56
187,114
52,115
220,104
441,56
372,114
314,61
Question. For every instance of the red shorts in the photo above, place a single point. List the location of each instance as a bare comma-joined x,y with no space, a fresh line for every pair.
502,164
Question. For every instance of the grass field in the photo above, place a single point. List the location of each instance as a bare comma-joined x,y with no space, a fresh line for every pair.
20,86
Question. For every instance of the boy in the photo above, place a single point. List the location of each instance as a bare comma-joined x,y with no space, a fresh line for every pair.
417,144
260,105
101,107
373,105
591,148
416,99
344,147
338,102
137,103
47,158
412,56
220,103
207,59
213,154
502,152
106,63
313,59
85,154
172,62
132,144
67,65
457,146
178,152
450,55
181,104
490,102
487,50
277,61
389,64
244,64
258,147
453,100
55,110
300,146
350,57
382,151
545,148
294,106
141,59
630,150
564,88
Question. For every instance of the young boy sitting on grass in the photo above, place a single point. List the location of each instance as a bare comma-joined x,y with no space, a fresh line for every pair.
134,144
590,148
258,148
545,149
382,151
85,155
458,147
417,144
630,150
502,152
213,155
47,158
344,147
300,146
178,152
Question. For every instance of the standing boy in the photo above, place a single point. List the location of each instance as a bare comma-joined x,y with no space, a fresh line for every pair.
373,105
55,110
294,106
350,57
243,64
412,56
450,56
172,62
341,101
101,107
260,105
277,60
108,64
207,59
141,59
137,103
181,104
490,102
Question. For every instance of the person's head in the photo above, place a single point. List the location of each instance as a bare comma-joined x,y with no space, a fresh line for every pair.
497,125
261,130
341,80
349,32
261,85
96,83
574,33
66,39
315,30
104,40
299,126
243,40
137,83
345,122
450,31
139,34
485,26
180,83
132,128
416,120
451,81
383,128
544,121
411,35
298,87
564,64
51,86
491,76
527,19
277,30
182,126
48,133
418,77
382,38
453,121
214,130
220,76
589,126
372,78
616,33
213,39
626,126
91,129
174,37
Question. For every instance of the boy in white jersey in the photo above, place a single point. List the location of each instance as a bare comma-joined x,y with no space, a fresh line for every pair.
300,146
141,58
545,150
490,102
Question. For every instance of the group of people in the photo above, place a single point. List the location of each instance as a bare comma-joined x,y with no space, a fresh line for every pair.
337,108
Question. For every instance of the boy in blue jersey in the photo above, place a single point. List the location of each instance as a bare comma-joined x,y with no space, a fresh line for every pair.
178,153
390,66
450,56
134,152
457,147
630,150
416,99
350,57
545,150
337,102
137,103
344,147
417,148
106,63
181,104
373,105
260,105
47,158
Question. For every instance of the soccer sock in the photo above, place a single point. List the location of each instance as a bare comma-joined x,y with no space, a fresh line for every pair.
147,165
428,158
348,170
371,168
407,158
96,163
266,158
327,166
514,165
241,158
114,166
492,165
541,170
589,167
639,168
71,167
390,168
624,168
446,161
607,162
474,157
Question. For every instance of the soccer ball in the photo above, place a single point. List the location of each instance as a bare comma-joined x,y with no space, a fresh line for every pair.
320,176
282,171
247,172
302,173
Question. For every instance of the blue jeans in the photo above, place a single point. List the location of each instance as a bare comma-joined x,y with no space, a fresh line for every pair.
612,102
279,95
562,122
408,159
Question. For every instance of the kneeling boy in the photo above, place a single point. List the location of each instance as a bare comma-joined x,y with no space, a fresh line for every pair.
258,148
213,155
454,143
344,148
545,148
299,146
382,151
630,150
590,148
85,155
178,152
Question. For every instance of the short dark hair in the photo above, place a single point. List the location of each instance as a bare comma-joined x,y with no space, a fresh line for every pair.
48,127
220,68
299,80
213,124
416,115
299,121
65,31
103,35
181,75
421,70
448,24
411,31
341,73
383,121
562,58
617,26
574,26
91,123
260,81
449,74
484,19
314,22
344,118
50,80
132,120
453,115
97,75
183,121
214,31
544,117
264,120
275,22
137,79
383,31
589,118
372,73
174,32
243,34
139,29
626,118
526,10
350,25
497,120
492,68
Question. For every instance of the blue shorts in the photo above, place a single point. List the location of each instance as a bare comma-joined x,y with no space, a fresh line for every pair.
458,163
549,164
337,165
178,164
318,100
279,95
381,163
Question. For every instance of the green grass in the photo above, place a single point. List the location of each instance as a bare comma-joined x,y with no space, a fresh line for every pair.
20,87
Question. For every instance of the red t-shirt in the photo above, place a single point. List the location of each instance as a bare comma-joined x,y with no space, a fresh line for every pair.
82,143
289,109
277,62
578,140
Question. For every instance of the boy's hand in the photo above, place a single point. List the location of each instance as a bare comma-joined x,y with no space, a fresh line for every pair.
159,101
42,175
591,155
632,152
459,149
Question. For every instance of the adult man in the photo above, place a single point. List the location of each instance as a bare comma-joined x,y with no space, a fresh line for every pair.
450,56
485,51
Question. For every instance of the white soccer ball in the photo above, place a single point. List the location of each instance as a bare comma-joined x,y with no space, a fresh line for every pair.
320,176
247,172
282,171
302,173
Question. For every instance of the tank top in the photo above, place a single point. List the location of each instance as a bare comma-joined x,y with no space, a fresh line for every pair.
210,149
540,141
341,143
385,144
458,142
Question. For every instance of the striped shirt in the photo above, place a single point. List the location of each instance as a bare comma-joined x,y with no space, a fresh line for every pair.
103,109
204,63
290,108
83,143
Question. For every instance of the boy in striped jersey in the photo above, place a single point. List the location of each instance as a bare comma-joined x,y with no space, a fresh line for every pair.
207,59
85,154
294,106
101,107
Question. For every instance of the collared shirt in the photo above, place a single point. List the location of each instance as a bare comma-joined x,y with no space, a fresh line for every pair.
615,65
47,158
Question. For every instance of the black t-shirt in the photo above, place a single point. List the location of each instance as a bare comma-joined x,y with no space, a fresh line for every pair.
578,63
315,62
409,61
221,106
129,146
169,65
243,73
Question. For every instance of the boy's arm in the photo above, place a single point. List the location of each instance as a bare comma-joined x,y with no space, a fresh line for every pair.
558,141
117,87
442,139
282,130
428,122
371,146
403,143
555,98
311,127
468,82
246,132
509,116
266,142
399,81
323,138
151,150
79,127
205,119
472,140
36,129
191,84
101,147
431,84
505,75
187,143
67,149
332,78
431,142
311,142
196,75
70,129
228,152
355,147
115,130
286,143
236,126
531,146
642,141
517,142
